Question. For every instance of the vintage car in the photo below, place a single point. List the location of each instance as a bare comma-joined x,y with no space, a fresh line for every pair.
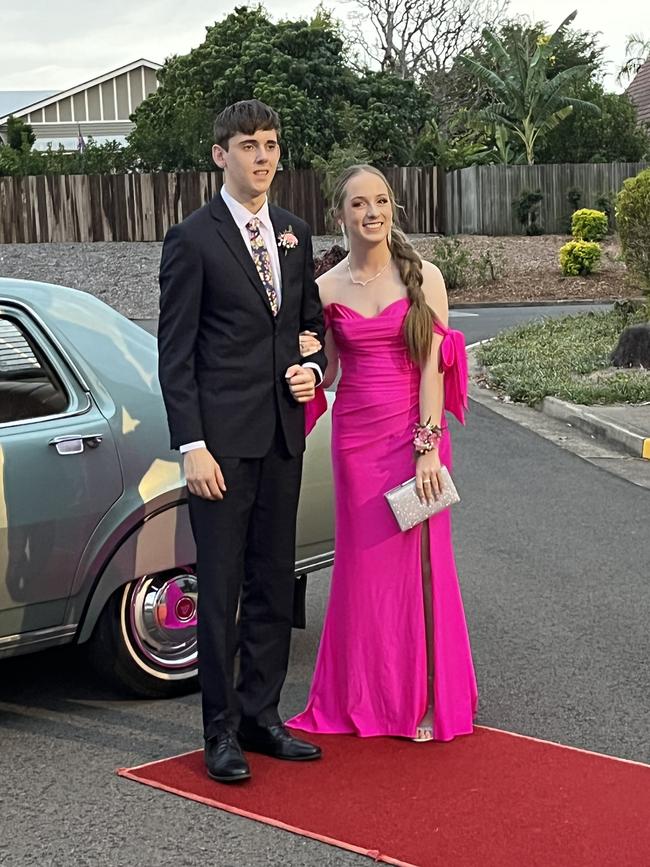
95,541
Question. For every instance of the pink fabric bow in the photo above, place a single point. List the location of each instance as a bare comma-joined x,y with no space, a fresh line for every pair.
453,363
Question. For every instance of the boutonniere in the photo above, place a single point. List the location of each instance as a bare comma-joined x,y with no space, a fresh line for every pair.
287,240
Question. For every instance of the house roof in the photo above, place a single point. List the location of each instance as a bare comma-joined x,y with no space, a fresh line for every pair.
13,100
639,92
51,98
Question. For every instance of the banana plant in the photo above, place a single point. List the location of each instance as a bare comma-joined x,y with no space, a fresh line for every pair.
528,100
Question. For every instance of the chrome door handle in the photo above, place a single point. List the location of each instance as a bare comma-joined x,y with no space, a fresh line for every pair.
73,444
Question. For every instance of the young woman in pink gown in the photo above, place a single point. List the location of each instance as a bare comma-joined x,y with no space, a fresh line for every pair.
394,656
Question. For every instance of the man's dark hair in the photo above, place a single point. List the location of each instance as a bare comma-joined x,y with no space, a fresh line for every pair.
246,117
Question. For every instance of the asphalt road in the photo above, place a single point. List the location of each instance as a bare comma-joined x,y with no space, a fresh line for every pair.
553,558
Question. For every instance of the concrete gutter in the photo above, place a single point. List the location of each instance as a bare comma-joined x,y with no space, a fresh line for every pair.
625,427
612,424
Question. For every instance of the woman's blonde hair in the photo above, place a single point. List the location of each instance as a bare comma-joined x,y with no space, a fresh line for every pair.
418,325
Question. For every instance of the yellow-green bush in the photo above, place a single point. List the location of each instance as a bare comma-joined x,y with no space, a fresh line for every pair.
588,224
578,258
633,220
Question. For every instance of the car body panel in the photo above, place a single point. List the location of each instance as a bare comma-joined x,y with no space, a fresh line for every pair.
133,486
46,516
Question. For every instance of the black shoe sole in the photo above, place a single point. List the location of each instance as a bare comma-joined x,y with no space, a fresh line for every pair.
230,779
255,748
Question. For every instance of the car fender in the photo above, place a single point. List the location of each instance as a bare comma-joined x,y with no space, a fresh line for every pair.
162,541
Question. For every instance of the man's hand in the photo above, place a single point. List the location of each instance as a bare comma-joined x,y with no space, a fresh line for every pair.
302,383
203,475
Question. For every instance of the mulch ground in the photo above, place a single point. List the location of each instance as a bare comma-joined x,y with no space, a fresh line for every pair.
530,271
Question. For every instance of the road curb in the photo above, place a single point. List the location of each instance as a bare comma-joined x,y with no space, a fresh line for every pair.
564,302
583,418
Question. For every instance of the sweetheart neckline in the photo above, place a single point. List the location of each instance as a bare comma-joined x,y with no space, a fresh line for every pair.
368,318
445,329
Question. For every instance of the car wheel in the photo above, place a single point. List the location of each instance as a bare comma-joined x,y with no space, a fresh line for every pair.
145,639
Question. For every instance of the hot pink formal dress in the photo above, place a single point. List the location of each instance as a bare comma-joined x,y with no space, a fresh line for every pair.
371,670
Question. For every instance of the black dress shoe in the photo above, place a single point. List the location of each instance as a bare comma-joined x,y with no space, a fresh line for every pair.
276,741
224,759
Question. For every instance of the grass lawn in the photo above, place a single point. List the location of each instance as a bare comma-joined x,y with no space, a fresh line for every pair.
566,358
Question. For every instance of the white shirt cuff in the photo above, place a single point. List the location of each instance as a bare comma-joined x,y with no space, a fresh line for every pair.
188,447
316,368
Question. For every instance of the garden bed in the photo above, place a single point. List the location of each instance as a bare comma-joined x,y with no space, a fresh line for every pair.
527,269
125,275
568,358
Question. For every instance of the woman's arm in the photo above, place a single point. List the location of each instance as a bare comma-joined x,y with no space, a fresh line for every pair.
332,354
309,344
431,383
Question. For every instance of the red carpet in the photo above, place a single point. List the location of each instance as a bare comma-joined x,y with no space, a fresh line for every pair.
490,800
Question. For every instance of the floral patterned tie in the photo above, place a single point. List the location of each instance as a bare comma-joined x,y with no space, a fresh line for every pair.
263,263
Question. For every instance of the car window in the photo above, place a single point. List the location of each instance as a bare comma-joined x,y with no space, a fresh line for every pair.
29,388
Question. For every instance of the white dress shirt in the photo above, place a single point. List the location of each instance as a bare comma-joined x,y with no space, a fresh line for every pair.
241,215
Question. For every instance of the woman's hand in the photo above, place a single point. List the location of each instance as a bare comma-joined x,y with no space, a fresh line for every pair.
308,343
427,476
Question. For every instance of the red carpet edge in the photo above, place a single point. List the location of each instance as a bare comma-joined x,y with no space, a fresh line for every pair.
129,774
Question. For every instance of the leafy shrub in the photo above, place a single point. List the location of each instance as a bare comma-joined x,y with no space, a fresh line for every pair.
588,225
573,196
95,159
19,133
606,202
633,219
454,261
328,259
528,209
579,257
490,265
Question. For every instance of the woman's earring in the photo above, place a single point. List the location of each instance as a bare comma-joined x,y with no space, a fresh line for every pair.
390,237
346,246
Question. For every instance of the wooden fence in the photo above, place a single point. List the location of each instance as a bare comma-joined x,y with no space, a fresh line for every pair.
137,207
141,207
479,199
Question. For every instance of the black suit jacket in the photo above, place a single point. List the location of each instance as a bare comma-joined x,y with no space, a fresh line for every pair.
222,353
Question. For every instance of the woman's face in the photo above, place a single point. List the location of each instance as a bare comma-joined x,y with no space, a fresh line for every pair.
367,212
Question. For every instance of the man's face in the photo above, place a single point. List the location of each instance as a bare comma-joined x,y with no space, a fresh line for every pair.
249,163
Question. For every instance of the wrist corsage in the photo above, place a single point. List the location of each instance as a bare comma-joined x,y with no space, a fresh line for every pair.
426,436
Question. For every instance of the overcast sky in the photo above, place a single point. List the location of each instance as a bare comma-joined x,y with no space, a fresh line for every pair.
55,45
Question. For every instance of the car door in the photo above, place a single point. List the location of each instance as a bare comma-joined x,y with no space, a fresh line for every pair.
59,474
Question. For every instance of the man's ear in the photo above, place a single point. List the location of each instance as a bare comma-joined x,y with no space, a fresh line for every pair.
219,156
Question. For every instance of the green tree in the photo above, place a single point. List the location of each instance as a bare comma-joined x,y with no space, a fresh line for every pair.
614,136
530,95
388,114
637,52
298,67
19,133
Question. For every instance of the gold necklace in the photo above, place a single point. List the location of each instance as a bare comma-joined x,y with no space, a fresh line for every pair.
370,279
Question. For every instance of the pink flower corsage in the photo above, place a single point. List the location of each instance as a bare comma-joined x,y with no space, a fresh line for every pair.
426,437
287,240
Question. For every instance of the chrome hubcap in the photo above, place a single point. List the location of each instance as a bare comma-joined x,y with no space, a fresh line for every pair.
162,619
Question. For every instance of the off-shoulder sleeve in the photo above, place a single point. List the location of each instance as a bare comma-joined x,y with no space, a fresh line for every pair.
453,364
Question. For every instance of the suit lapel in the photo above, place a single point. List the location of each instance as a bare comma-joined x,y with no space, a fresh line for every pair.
231,235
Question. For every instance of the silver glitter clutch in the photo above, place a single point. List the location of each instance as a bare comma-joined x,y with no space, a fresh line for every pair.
408,509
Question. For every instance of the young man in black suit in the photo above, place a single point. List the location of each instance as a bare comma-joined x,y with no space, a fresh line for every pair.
237,288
